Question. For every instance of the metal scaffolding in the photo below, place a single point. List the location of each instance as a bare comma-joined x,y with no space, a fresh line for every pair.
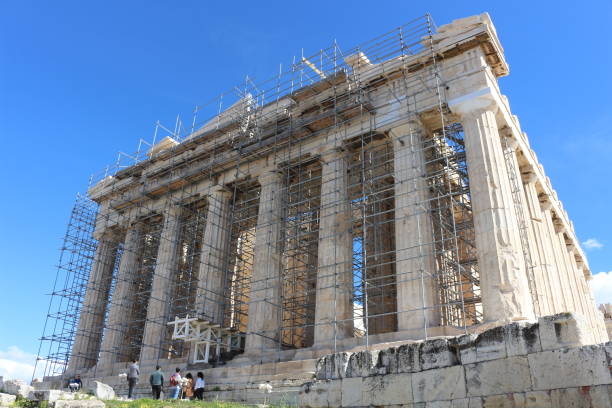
285,122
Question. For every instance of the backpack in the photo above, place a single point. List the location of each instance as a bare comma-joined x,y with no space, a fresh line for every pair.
173,382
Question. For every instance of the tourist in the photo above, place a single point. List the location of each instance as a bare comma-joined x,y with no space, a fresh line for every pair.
175,384
132,378
75,384
188,386
199,386
156,380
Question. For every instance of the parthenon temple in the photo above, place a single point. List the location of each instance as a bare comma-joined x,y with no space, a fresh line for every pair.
360,197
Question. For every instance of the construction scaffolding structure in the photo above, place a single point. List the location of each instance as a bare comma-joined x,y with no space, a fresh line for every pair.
329,206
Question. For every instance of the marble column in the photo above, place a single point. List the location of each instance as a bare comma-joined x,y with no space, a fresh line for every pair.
561,296
541,250
528,244
215,244
504,287
334,308
156,326
86,345
118,315
264,299
415,251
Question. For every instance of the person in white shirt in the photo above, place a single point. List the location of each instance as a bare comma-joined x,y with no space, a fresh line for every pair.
199,386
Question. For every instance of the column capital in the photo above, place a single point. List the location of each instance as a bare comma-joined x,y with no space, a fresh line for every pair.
510,141
558,224
107,234
529,176
475,103
270,175
220,191
545,202
411,127
136,225
333,153
173,209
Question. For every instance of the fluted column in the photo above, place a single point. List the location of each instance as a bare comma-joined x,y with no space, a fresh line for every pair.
541,251
415,252
215,245
562,302
504,287
264,298
526,236
86,345
161,289
334,308
118,316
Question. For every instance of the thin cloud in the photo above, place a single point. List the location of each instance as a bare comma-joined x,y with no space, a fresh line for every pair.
601,284
592,243
16,364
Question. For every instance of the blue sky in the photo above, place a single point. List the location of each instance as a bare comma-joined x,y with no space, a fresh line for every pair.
80,81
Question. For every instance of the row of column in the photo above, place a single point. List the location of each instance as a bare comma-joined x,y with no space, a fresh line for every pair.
505,290
557,282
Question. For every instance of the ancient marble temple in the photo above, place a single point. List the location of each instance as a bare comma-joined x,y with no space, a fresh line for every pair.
364,196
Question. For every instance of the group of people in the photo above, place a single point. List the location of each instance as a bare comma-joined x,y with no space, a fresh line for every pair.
180,387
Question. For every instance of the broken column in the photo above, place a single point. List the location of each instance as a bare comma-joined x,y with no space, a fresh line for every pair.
264,299
157,311
415,262
334,309
504,288
214,255
118,316
91,323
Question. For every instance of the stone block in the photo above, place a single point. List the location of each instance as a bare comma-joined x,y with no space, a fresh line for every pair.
601,396
491,344
437,353
439,384
506,375
522,338
391,389
318,394
332,366
438,404
352,389
6,399
17,387
563,330
387,361
90,403
100,390
584,366
538,399
408,360
516,400
465,348
50,395
362,364
587,397
460,403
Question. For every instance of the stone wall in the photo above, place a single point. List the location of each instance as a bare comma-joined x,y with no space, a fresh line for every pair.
543,364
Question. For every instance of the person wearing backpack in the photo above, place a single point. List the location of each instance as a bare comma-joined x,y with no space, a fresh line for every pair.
175,384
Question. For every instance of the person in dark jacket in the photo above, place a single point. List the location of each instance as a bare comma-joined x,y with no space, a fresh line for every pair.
156,380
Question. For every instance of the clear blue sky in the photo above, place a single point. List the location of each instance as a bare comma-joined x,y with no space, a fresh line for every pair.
81,80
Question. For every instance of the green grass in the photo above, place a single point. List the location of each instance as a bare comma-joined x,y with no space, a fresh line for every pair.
151,403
